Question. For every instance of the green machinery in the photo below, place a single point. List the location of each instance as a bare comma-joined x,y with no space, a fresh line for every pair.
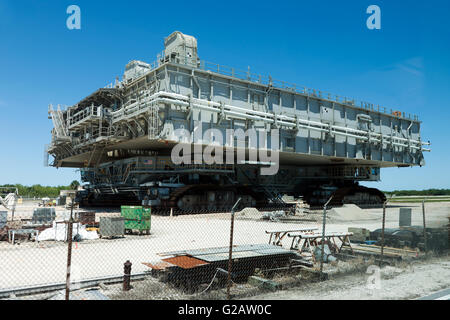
136,218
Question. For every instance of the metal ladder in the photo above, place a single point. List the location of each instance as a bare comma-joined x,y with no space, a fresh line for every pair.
153,122
58,121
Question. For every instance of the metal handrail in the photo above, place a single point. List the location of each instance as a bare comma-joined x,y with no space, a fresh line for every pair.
267,80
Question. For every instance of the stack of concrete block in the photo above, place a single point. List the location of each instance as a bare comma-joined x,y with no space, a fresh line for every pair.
264,283
359,234
43,215
3,218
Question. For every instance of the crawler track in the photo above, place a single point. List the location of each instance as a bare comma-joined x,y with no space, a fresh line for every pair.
179,212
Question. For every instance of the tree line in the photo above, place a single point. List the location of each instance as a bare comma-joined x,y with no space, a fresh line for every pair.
40,191
428,192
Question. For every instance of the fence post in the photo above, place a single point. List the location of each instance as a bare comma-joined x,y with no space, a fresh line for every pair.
126,275
69,250
382,232
424,226
323,236
230,253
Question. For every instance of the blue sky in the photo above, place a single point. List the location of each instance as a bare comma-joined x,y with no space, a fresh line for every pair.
319,44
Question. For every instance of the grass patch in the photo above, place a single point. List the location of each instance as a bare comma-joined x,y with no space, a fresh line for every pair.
419,200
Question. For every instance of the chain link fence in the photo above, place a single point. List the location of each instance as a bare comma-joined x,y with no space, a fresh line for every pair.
130,253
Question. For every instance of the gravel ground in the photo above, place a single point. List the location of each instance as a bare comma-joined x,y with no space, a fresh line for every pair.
34,263
407,281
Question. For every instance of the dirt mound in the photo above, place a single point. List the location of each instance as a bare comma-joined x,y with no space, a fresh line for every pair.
348,212
249,212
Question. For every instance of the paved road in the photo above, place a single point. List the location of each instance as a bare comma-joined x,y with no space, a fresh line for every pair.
441,295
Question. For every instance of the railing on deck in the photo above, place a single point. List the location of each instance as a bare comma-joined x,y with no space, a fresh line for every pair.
267,80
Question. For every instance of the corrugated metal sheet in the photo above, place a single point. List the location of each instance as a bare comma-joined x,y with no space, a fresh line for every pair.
185,262
221,253
217,250
272,251
224,256
158,266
